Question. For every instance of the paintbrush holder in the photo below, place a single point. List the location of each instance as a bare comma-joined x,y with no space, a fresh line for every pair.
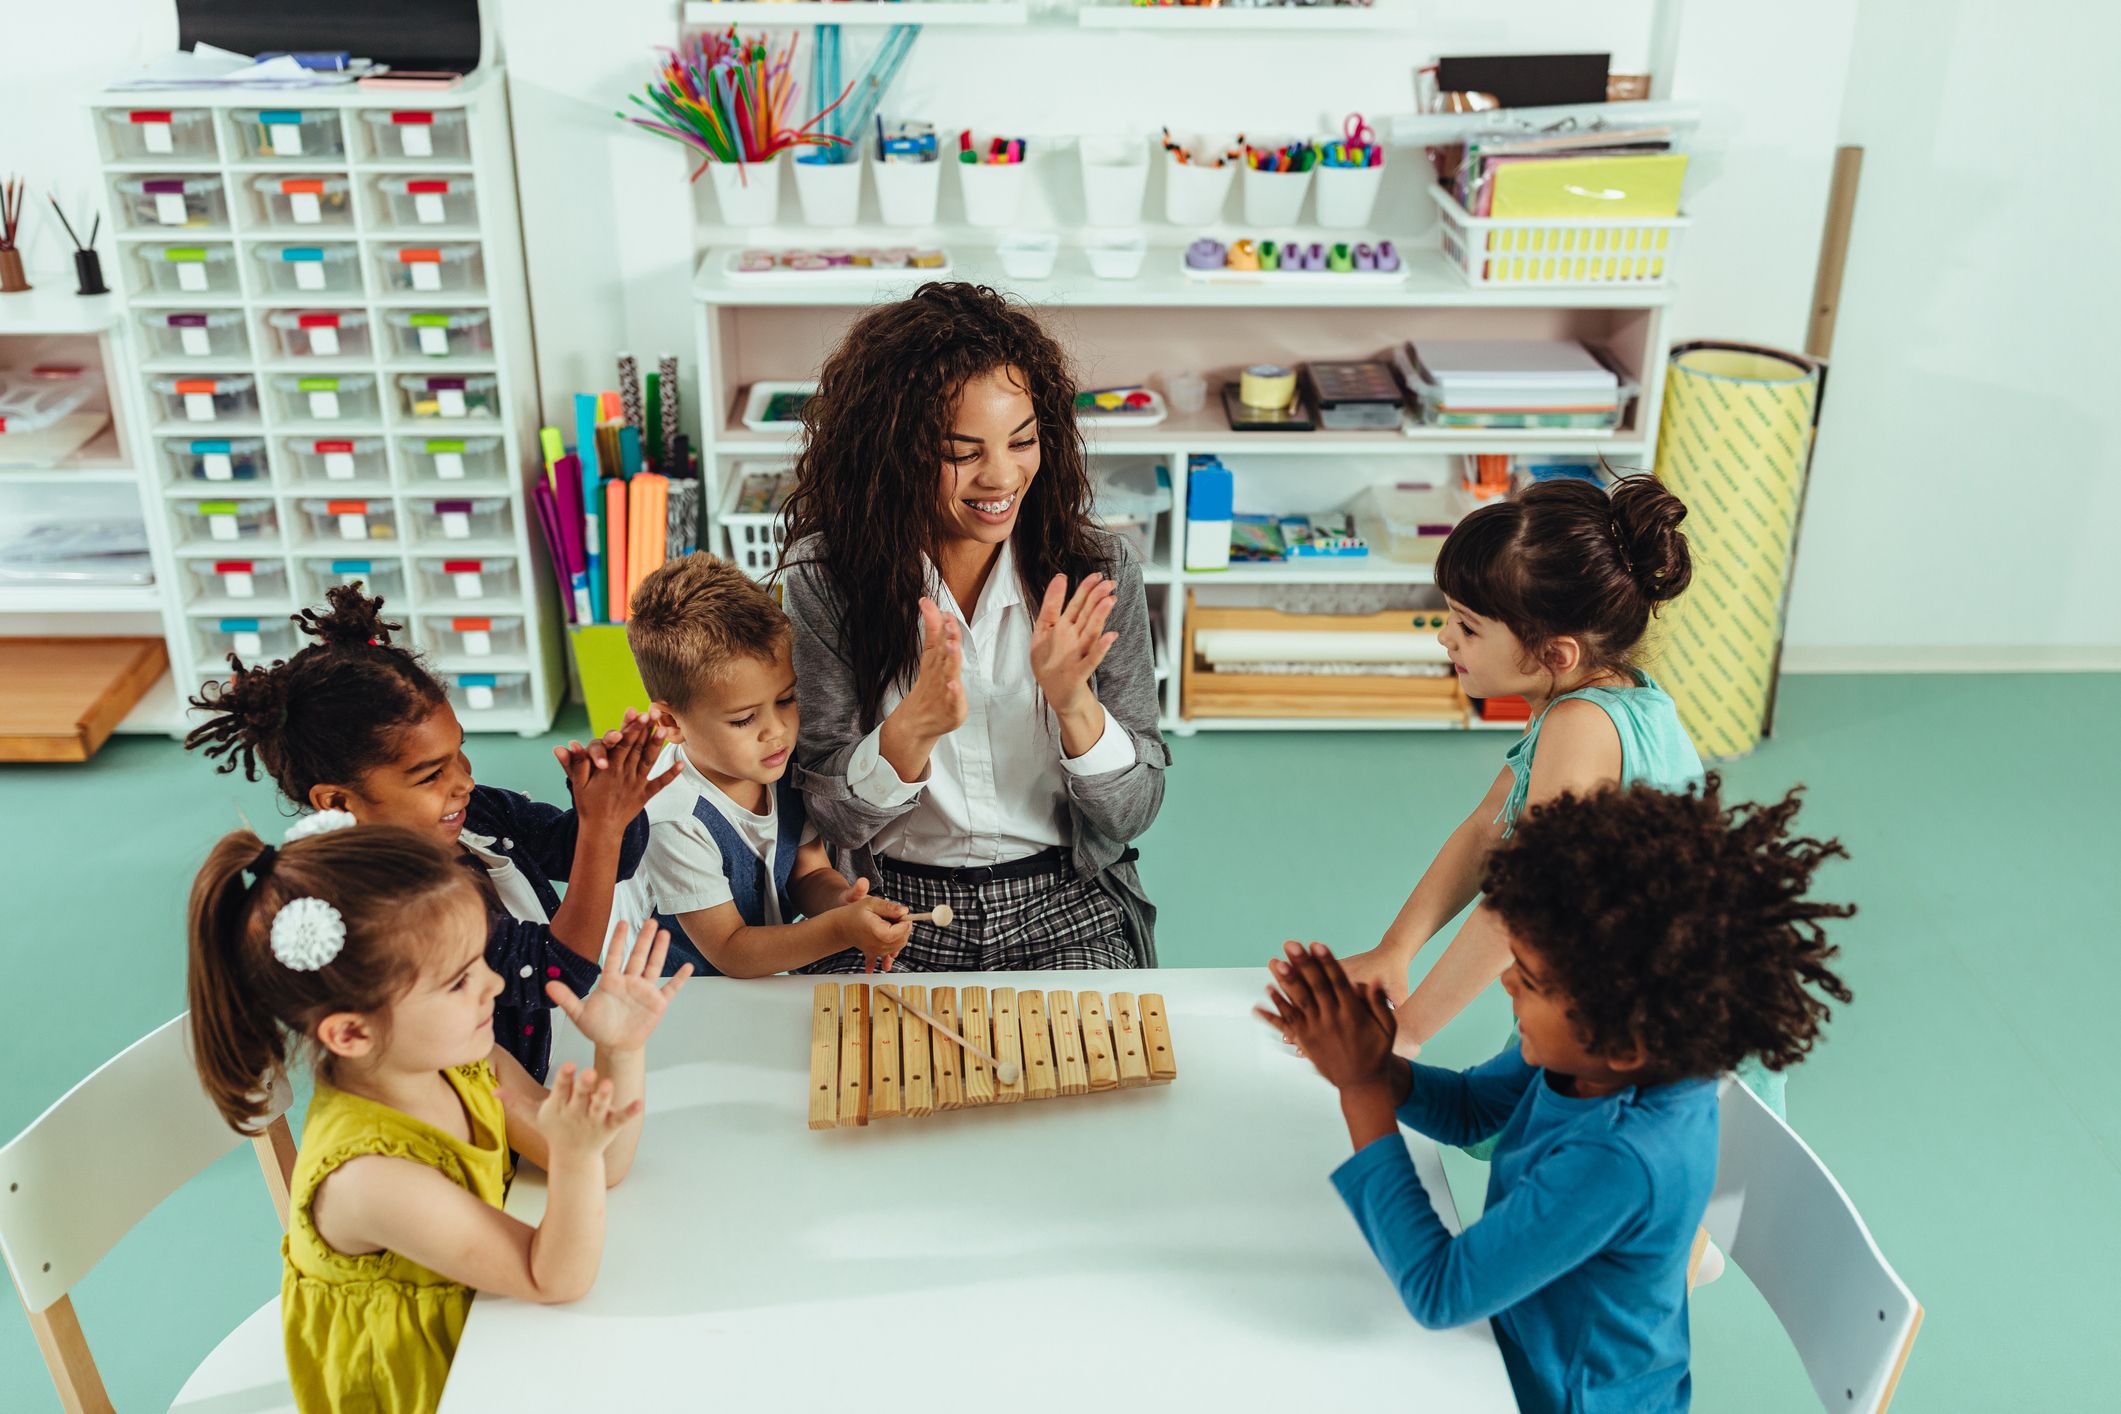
830,193
88,273
12,278
749,192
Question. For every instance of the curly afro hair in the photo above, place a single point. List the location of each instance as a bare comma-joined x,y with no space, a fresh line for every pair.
1677,922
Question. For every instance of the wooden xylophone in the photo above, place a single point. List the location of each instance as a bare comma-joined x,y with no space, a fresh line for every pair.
870,1058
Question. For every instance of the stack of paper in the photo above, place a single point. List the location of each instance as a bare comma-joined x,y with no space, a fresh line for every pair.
1511,383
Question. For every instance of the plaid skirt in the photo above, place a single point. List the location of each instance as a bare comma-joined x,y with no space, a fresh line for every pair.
1043,922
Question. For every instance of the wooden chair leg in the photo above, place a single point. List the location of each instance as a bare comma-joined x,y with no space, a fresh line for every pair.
275,1148
58,1333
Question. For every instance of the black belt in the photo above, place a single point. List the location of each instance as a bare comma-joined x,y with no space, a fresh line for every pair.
1047,861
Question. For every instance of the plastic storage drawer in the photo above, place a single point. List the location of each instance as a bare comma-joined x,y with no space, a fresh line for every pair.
497,636
327,459
189,269
216,459
417,134
488,692
259,640
294,203
272,134
230,398
173,202
430,201
237,578
206,333
310,269
247,522
468,579
359,522
329,397
439,333
446,459
479,518
449,267
443,398
149,134
379,578
319,333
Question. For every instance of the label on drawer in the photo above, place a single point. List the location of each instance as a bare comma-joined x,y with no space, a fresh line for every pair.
156,136
478,695
193,337
448,458
309,274
456,519
199,407
427,208
191,276
217,466
476,636
304,198
324,340
236,579
426,275
169,208
465,574
283,133
220,519
353,518
324,406
338,459
415,133
243,637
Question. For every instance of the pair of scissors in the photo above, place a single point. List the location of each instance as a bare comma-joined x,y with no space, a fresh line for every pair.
1356,132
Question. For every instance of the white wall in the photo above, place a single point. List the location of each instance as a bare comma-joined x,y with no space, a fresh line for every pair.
1960,367
1966,493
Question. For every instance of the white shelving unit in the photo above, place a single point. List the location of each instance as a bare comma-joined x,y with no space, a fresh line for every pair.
396,254
1132,330
807,14
102,479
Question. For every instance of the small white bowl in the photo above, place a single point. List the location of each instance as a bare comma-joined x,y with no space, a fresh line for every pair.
1029,255
1117,257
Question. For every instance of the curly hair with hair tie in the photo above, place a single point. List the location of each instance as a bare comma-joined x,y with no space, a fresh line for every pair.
1676,922
869,480
329,714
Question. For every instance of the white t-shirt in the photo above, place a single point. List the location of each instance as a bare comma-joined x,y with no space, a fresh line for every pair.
515,892
997,787
682,870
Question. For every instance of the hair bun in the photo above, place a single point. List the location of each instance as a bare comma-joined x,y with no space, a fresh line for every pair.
353,619
1646,521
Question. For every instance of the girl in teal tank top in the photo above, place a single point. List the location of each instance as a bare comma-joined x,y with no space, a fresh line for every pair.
1550,595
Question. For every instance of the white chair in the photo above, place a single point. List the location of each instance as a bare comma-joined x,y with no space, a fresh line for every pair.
1791,1229
96,1163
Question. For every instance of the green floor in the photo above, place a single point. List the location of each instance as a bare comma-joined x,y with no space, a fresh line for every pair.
1984,963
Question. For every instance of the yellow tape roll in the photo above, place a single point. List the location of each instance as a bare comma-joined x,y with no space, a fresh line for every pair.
1266,385
1734,444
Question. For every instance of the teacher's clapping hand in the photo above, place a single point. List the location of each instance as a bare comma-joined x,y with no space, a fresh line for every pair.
936,705
1067,645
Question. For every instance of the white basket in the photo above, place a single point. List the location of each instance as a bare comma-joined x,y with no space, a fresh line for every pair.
754,538
1635,251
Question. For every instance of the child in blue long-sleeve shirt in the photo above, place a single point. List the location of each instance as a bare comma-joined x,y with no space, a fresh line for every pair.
1656,941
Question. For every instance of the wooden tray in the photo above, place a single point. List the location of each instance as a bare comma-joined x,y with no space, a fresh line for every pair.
61,698
1203,692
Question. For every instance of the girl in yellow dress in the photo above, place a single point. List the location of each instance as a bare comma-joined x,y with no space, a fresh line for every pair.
365,949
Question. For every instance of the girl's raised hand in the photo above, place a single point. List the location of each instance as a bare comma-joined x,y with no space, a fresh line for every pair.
578,1116
629,1000
1069,640
1344,1028
610,795
936,705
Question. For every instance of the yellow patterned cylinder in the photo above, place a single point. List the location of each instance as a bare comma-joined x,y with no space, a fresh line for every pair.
1734,444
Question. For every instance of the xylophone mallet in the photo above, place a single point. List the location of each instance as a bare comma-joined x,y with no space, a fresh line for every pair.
1006,1074
942,916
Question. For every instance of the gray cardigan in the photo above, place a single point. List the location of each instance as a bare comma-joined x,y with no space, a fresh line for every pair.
1105,811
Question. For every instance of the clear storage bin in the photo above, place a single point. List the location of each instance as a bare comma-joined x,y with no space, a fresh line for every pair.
488,692
451,267
270,134
305,201
173,202
320,574
140,134
310,269
205,459
446,459
229,398
236,578
468,579
188,269
498,636
338,458
418,134
259,640
1408,522
1131,499
319,333
468,395
477,518
459,333
430,201
225,522
329,397
194,333
359,521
